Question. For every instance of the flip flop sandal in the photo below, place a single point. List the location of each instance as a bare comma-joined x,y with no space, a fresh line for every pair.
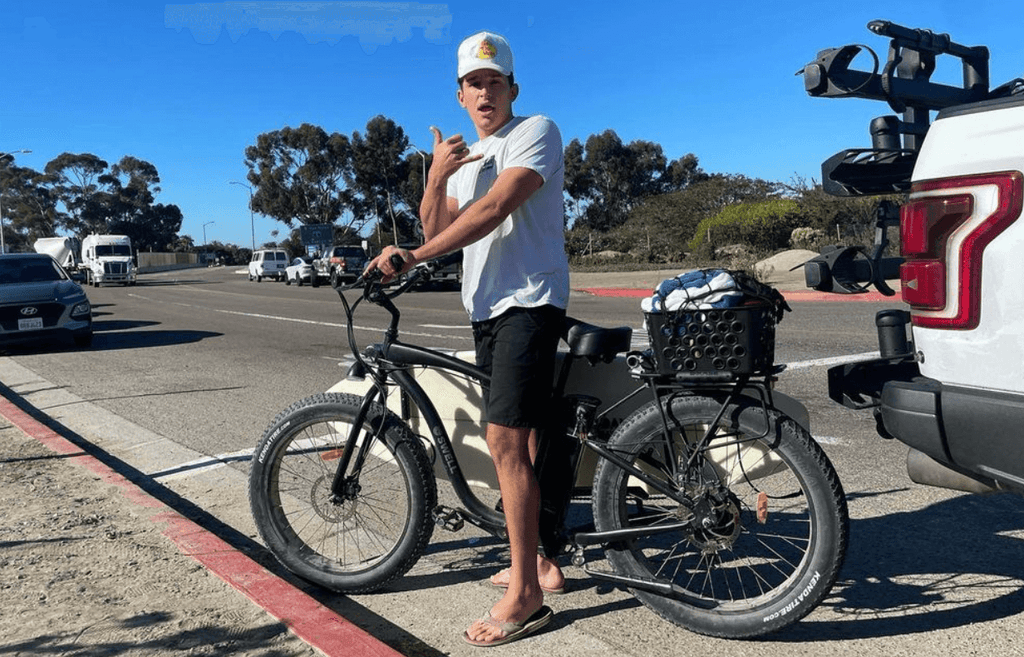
511,630
504,585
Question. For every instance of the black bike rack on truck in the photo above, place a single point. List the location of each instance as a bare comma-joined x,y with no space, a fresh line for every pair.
892,385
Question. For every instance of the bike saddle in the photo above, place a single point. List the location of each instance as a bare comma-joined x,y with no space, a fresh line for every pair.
595,342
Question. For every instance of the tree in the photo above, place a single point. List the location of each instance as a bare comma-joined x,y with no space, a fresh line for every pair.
299,174
577,182
659,228
75,181
129,208
381,180
28,205
156,227
182,244
605,180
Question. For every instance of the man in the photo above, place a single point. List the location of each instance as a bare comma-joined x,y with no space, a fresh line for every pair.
501,202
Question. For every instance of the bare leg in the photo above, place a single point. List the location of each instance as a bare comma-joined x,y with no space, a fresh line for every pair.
548,572
520,494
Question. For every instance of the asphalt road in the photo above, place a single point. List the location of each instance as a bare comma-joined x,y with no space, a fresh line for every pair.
203,360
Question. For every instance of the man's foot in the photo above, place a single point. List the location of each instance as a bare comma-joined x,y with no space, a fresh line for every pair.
489,631
548,574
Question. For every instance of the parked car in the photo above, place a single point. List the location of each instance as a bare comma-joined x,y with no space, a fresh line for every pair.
341,264
268,263
39,302
301,270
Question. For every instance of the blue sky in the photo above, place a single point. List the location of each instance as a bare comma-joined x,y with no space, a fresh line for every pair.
188,87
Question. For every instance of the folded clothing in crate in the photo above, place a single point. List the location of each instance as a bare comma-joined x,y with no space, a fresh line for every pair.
713,321
703,288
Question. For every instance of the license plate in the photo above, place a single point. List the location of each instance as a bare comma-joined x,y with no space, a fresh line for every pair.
30,324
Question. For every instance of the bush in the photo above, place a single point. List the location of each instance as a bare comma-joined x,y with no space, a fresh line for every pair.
764,226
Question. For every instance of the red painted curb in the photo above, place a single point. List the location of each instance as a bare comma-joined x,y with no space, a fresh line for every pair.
317,625
791,295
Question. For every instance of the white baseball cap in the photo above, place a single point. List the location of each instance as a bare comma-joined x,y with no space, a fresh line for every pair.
485,50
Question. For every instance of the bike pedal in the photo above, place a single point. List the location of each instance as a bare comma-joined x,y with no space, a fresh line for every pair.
448,519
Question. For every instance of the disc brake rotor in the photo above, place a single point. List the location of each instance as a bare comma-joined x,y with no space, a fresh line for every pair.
321,498
716,527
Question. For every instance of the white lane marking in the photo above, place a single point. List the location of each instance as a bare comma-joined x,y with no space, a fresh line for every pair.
835,360
192,468
296,320
445,326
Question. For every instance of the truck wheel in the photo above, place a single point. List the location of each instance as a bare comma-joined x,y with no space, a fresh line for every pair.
314,280
334,279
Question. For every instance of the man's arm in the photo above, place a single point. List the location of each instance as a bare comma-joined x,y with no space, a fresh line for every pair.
510,190
437,209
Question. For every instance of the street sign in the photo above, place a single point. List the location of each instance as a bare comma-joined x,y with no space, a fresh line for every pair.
316,234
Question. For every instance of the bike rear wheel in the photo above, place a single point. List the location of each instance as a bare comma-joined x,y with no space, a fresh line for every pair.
767,516
351,545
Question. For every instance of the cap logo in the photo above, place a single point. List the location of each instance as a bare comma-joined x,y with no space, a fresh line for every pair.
487,50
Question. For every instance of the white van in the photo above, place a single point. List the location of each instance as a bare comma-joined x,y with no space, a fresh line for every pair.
268,263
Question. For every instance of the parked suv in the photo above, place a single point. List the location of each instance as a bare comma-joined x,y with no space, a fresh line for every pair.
268,263
341,264
38,302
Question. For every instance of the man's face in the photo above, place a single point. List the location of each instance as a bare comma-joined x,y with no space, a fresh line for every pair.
487,97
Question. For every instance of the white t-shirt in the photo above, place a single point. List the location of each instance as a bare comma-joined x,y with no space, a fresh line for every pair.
522,262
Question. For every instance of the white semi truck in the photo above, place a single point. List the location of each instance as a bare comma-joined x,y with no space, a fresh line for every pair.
108,259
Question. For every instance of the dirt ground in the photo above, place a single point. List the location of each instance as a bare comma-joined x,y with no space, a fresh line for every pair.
69,543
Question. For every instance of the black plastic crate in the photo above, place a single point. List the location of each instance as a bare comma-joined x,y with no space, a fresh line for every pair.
734,341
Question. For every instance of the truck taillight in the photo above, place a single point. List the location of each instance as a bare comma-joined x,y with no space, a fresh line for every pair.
944,230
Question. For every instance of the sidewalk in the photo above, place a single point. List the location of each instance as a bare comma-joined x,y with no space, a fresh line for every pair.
92,564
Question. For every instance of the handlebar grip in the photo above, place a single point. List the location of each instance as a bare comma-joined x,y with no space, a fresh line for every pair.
397,261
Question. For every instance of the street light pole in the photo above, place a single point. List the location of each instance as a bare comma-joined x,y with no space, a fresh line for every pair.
252,218
3,246
205,243
423,161
423,158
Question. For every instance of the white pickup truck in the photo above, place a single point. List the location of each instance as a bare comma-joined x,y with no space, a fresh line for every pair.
952,389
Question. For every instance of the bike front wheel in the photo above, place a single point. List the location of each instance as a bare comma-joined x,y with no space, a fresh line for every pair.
358,541
764,525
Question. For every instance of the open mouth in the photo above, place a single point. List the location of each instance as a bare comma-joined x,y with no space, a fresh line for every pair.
485,109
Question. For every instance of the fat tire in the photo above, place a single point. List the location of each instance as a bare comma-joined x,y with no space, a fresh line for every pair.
816,499
314,429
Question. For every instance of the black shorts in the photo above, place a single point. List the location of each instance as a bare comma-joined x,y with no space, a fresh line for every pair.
517,349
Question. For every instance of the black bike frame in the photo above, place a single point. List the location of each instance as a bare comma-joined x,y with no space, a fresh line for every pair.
398,358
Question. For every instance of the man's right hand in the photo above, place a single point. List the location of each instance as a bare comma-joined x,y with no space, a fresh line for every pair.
449,155
386,267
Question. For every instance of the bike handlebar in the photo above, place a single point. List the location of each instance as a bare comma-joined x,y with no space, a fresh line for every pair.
374,291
